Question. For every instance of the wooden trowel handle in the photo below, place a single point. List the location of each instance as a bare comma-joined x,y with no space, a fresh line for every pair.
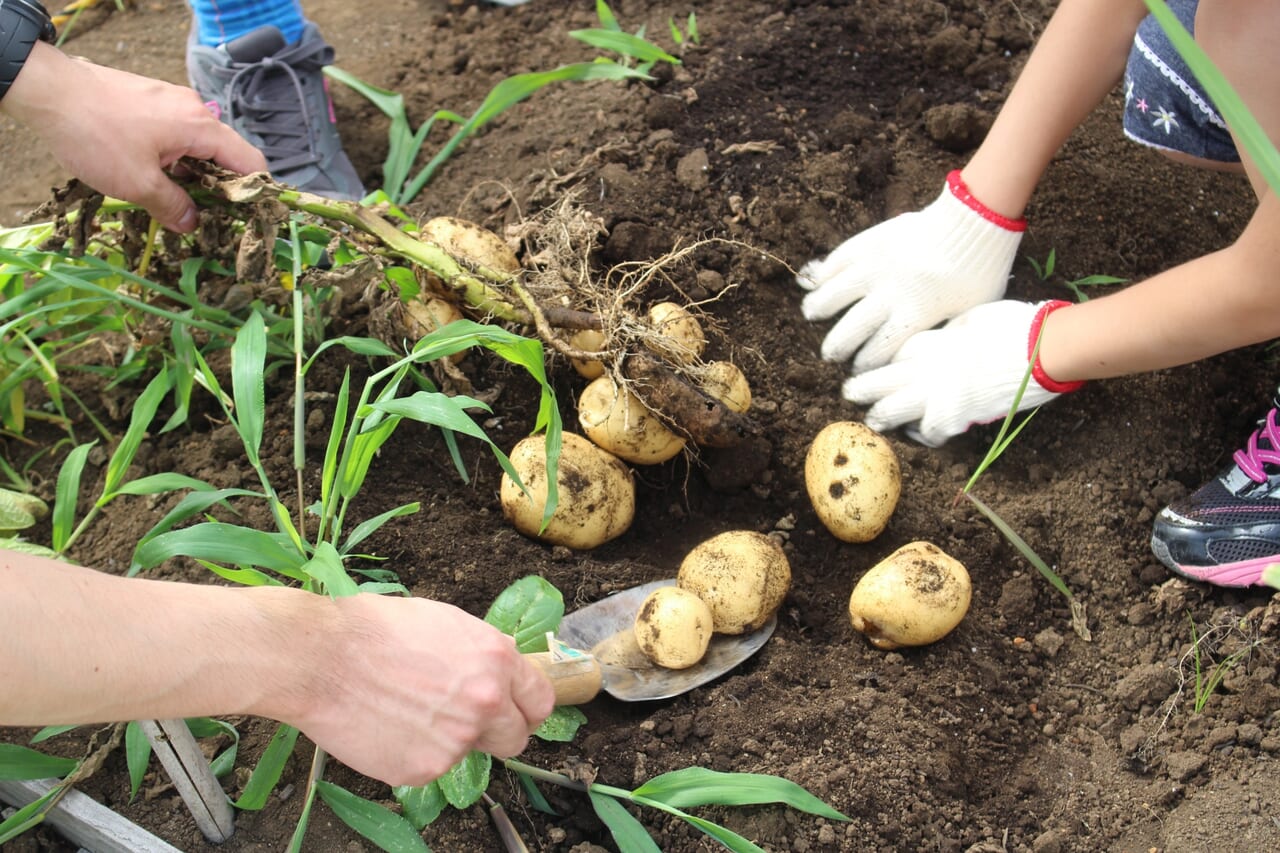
576,682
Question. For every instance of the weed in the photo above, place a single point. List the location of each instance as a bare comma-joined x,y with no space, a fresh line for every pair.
1208,672
1004,437
405,144
1045,272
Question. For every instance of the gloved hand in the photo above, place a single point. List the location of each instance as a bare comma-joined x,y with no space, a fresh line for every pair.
945,380
909,274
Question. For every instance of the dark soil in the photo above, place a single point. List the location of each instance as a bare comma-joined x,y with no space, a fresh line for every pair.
1012,733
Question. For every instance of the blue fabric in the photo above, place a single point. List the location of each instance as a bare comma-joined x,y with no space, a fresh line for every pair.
1164,105
220,21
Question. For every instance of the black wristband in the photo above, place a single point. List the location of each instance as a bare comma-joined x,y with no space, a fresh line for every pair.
22,24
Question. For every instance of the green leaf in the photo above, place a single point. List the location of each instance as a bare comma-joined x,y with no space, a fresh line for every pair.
607,19
367,528
67,491
28,816
562,725
629,833
221,543
626,44
268,770
51,731
436,409
18,511
205,727
527,610
155,484
137,753
144,412
698,786
19,546
17,763
422,804
326,567
1271,575
379,825
467,780
248,357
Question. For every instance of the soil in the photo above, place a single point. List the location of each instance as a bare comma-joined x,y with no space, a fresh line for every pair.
790,127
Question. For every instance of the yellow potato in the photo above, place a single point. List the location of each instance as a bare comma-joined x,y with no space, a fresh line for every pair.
427,313
913,597
587,340
853,479
742,575
469,243
597,493
727,383
673,627
682,340
617,421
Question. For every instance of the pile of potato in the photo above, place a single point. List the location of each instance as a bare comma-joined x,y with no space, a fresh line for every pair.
917,594
596,489
732,583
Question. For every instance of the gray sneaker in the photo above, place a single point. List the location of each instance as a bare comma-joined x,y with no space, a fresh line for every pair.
276,96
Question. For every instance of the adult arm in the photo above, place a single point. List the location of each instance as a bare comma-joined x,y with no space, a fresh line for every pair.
397,688
118,131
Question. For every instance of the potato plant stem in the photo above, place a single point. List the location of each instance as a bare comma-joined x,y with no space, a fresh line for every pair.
564,781
478,293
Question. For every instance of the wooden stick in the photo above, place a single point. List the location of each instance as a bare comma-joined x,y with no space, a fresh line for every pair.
86,822
189,771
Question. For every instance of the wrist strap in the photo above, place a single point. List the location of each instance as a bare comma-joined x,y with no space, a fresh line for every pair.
1046,381
960,190
22,24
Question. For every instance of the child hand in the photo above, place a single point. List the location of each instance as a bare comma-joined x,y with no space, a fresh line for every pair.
909,274
968,372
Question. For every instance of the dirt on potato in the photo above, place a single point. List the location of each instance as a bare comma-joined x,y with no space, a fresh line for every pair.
790,126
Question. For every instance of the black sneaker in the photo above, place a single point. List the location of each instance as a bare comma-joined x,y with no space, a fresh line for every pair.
1228,531
276,96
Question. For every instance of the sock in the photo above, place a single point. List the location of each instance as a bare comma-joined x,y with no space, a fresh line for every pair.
220,21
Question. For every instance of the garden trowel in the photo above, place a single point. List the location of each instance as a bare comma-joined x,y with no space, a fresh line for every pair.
596,650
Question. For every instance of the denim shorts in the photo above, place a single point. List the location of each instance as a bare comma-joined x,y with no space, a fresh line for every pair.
1164,105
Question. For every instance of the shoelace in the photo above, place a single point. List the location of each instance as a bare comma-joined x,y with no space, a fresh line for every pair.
270,96
1252,459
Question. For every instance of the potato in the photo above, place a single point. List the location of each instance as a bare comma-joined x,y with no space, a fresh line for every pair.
617,421
742,575
597,493
913,597
682,340
427,313
587,340
853,479
469,243
673,627
724,381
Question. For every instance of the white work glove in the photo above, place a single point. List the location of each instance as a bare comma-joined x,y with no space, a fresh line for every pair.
909,274
967,372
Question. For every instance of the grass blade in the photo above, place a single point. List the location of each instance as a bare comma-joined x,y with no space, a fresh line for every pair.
629,834
248,358
18,763
66,494
268,770
379,825
625,44
698,786
221,543
137,753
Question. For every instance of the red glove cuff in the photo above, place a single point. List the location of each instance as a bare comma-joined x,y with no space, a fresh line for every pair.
1046,381
960,190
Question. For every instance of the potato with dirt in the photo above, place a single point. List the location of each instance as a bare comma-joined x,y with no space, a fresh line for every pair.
853,479
742,575
597,493
673,627
617,421
680,339
913,597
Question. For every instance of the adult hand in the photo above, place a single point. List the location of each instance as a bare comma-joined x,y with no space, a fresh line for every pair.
943,381
409,686
909,274
118,131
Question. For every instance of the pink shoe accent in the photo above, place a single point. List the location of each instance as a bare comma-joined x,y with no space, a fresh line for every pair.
1244,573
1252,458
